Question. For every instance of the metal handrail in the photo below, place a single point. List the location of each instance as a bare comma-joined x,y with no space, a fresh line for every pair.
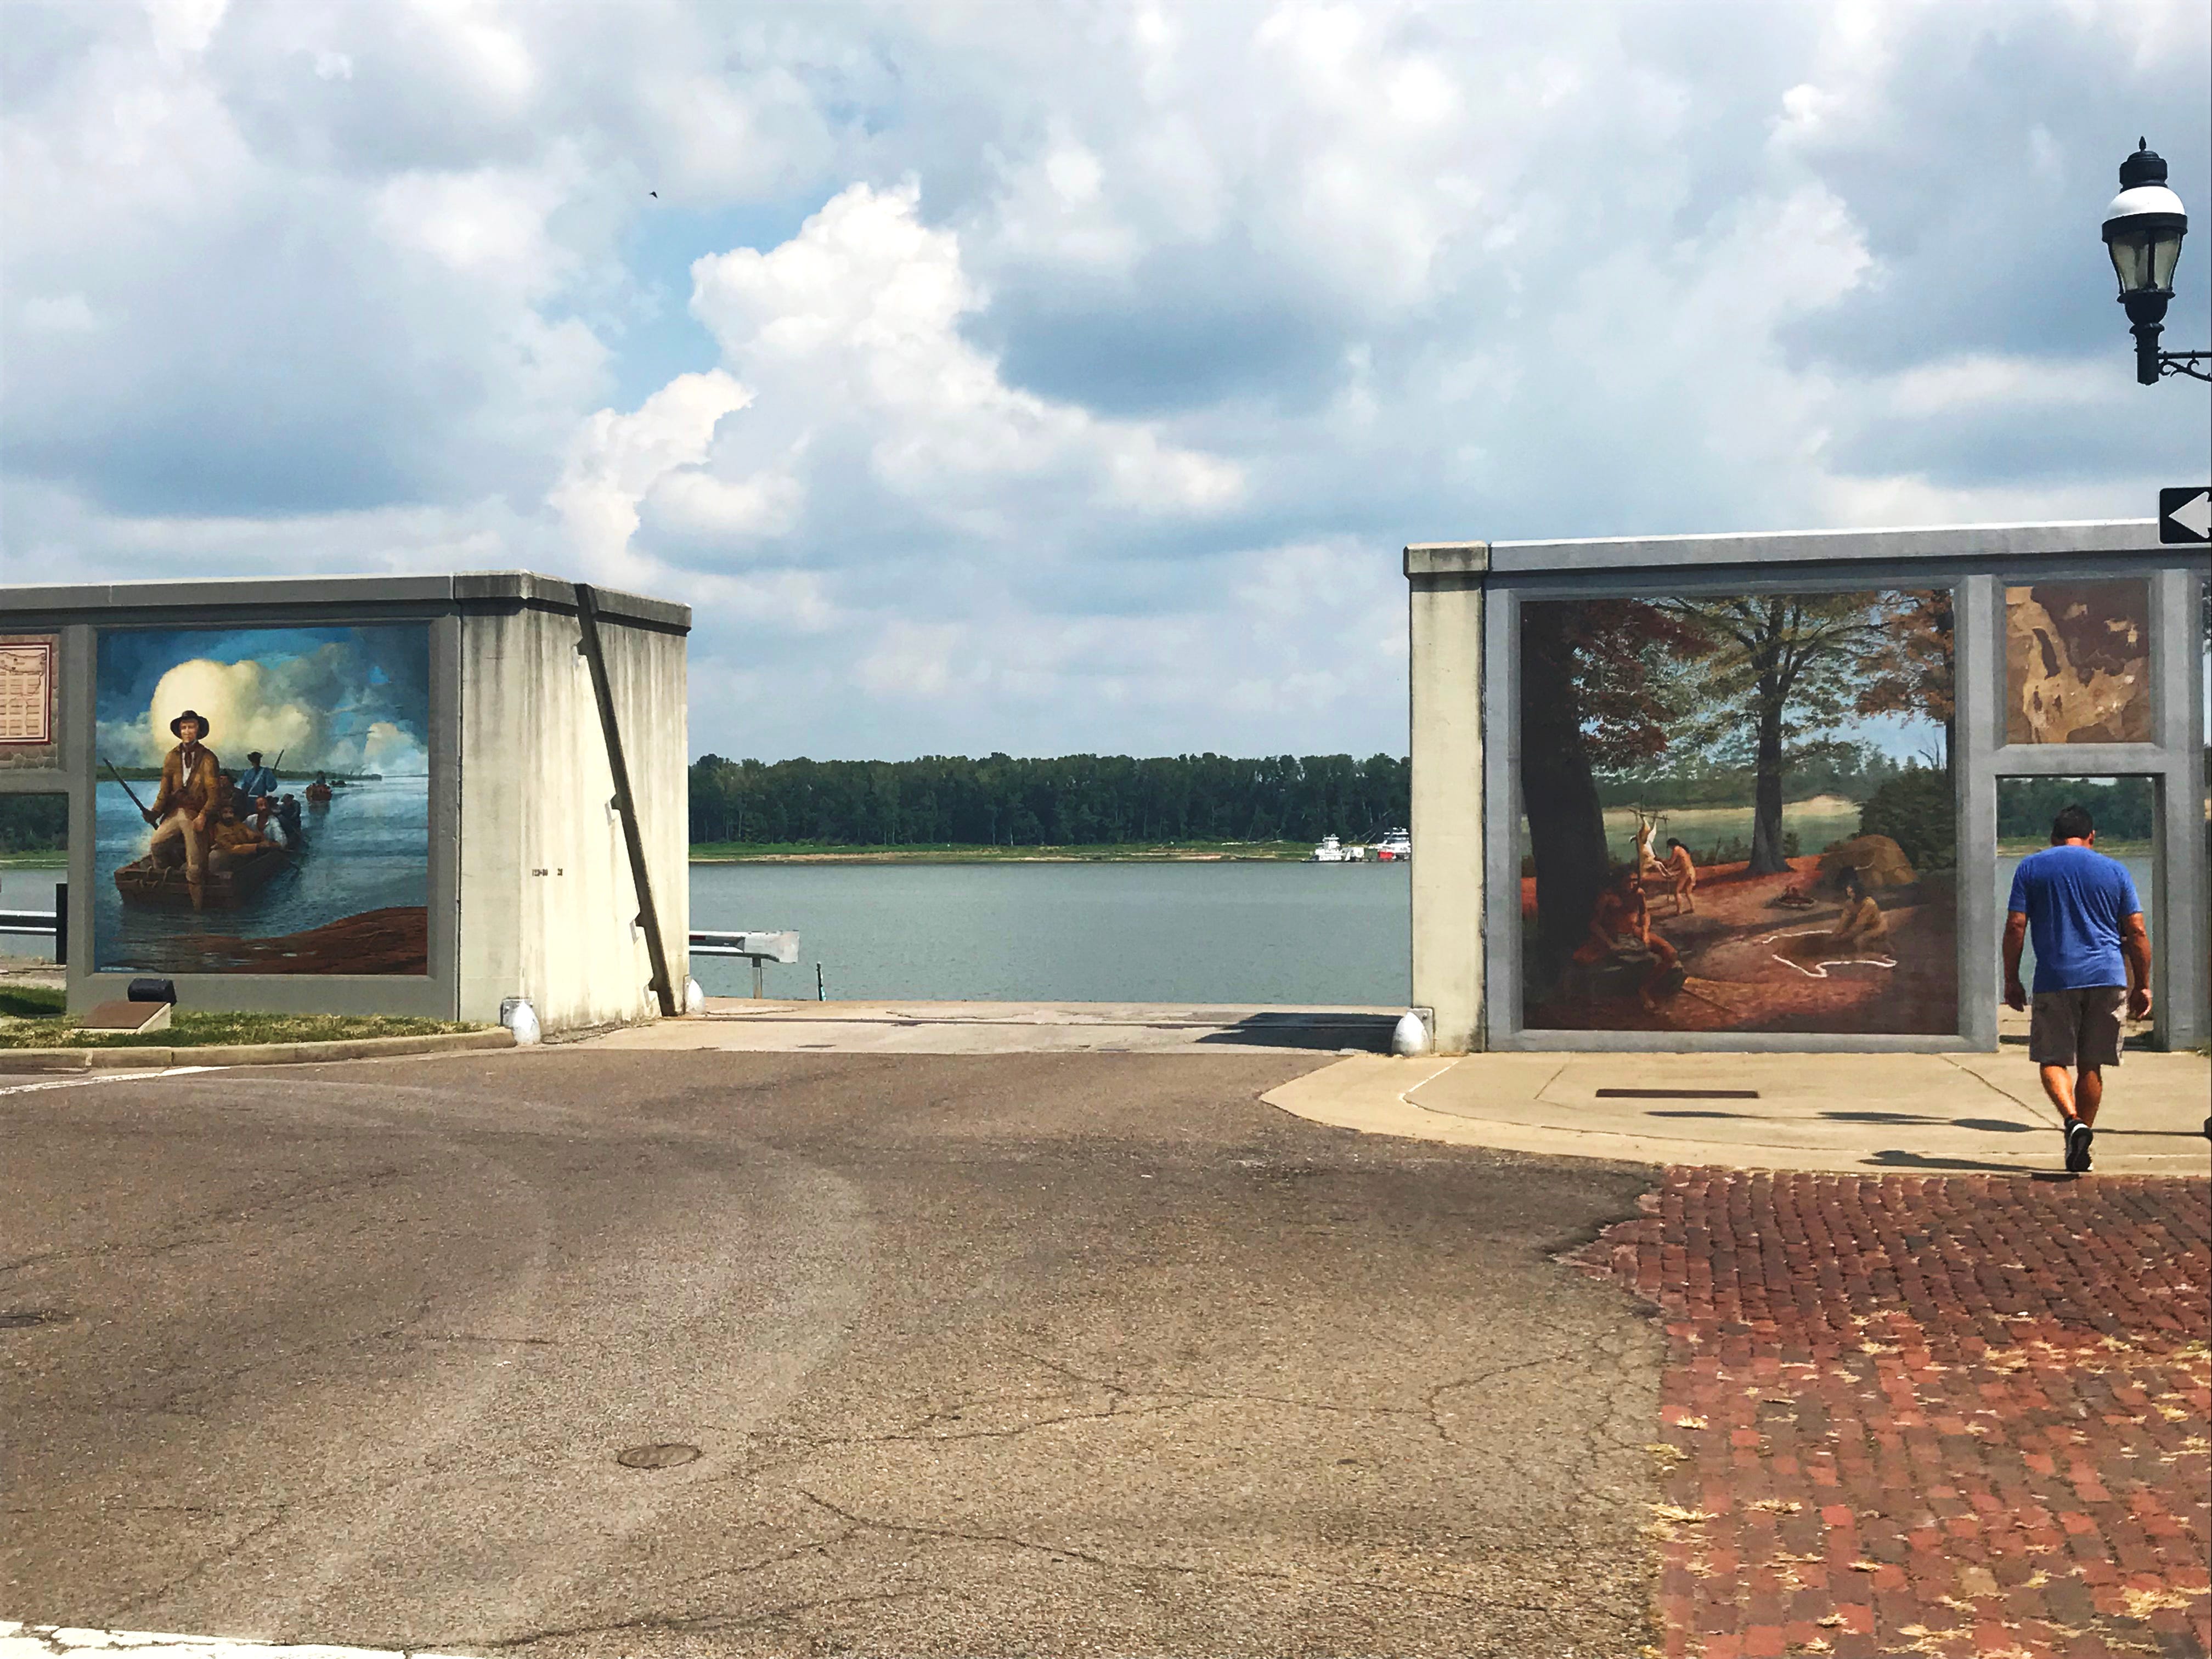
52,924
704,942
757,946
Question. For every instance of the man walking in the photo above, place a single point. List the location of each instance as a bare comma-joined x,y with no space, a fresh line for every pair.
2092,963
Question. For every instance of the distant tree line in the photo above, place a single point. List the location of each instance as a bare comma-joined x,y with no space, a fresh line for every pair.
1852,770
33,823
2125,809
1069,801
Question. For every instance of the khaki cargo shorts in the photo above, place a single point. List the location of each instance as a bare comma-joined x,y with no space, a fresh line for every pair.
2079,1028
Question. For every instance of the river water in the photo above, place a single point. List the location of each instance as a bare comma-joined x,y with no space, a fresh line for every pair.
1296,934
1300,935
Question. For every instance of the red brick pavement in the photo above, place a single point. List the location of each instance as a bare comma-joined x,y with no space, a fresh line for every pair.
1952,1415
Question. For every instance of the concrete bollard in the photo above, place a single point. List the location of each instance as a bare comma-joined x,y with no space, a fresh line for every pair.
1411,1034
520,1018
695,996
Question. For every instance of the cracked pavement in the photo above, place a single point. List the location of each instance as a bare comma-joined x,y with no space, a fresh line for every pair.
984,1354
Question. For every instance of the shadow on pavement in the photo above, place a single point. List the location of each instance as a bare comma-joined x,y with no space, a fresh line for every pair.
1994,1125
1369,1033
1896,1159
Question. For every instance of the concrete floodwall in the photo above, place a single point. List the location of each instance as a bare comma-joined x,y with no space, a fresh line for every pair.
465,851
544,869
1626,839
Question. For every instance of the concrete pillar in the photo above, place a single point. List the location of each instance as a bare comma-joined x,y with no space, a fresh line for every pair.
1444,634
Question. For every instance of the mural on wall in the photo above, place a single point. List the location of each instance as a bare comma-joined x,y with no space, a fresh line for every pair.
1738,814
2077,662
263,800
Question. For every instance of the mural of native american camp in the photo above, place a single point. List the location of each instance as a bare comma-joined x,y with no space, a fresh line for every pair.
1738,814
263,802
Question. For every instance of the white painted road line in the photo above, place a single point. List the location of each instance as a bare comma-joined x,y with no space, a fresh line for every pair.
79,1082
20,1641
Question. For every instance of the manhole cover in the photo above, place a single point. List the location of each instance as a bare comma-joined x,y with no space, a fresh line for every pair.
661,1454
20,1319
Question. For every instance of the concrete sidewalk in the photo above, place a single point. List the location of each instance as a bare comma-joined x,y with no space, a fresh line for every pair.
1857,1113
1865,1112
751,1026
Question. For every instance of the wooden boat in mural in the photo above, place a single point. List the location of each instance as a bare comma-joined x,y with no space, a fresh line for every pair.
161,887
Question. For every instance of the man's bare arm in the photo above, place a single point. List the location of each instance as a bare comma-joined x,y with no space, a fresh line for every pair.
2016,938
2135,946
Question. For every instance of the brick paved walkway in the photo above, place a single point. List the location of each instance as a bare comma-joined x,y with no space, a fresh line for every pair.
1952,1415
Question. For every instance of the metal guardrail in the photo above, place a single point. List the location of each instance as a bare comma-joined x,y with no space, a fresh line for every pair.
54,923
759,948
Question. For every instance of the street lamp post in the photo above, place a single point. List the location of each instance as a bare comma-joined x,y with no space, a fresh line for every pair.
2143,228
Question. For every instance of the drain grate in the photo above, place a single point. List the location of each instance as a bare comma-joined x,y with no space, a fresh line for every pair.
1678,1094
23,1319
660,1455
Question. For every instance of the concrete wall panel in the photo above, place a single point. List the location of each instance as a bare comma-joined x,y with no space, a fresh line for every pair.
546,869
531,892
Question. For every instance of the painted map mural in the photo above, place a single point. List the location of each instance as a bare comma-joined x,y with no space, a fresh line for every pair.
2077,662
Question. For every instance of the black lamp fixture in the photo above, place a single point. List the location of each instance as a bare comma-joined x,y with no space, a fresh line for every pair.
2143,228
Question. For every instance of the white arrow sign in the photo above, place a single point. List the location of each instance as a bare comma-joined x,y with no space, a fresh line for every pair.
2193,513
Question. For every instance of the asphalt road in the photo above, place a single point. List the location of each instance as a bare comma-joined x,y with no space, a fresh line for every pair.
1005,1354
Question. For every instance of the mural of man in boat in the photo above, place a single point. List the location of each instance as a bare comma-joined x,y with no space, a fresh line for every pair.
202,861
199,835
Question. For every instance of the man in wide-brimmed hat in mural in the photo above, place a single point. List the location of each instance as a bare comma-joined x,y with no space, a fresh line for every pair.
191,784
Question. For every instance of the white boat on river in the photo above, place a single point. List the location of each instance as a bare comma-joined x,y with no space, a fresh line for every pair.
1332,851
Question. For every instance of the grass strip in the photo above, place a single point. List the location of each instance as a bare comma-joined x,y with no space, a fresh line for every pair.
31,1017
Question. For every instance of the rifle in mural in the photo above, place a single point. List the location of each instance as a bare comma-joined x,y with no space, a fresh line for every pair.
127,789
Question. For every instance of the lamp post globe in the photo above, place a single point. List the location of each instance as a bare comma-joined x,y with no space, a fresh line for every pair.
2143,228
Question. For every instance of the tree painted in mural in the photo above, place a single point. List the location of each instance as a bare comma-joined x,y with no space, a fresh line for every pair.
1594,697
1909,670
1777,669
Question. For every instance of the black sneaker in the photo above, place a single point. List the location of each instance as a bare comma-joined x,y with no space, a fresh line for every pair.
2078,1137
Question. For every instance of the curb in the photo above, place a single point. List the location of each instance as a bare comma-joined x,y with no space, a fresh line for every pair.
248,1053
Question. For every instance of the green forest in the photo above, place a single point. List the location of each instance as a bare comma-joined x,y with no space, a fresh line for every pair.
33,823
2125,809
1853,770
1066,801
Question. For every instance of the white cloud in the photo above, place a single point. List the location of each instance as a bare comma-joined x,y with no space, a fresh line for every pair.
616,460
854,326
1064,378
64,314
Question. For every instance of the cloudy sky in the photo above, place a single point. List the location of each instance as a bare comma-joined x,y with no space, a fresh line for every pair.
1048,378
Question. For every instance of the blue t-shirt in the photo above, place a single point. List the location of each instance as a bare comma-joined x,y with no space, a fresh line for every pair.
2075,899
